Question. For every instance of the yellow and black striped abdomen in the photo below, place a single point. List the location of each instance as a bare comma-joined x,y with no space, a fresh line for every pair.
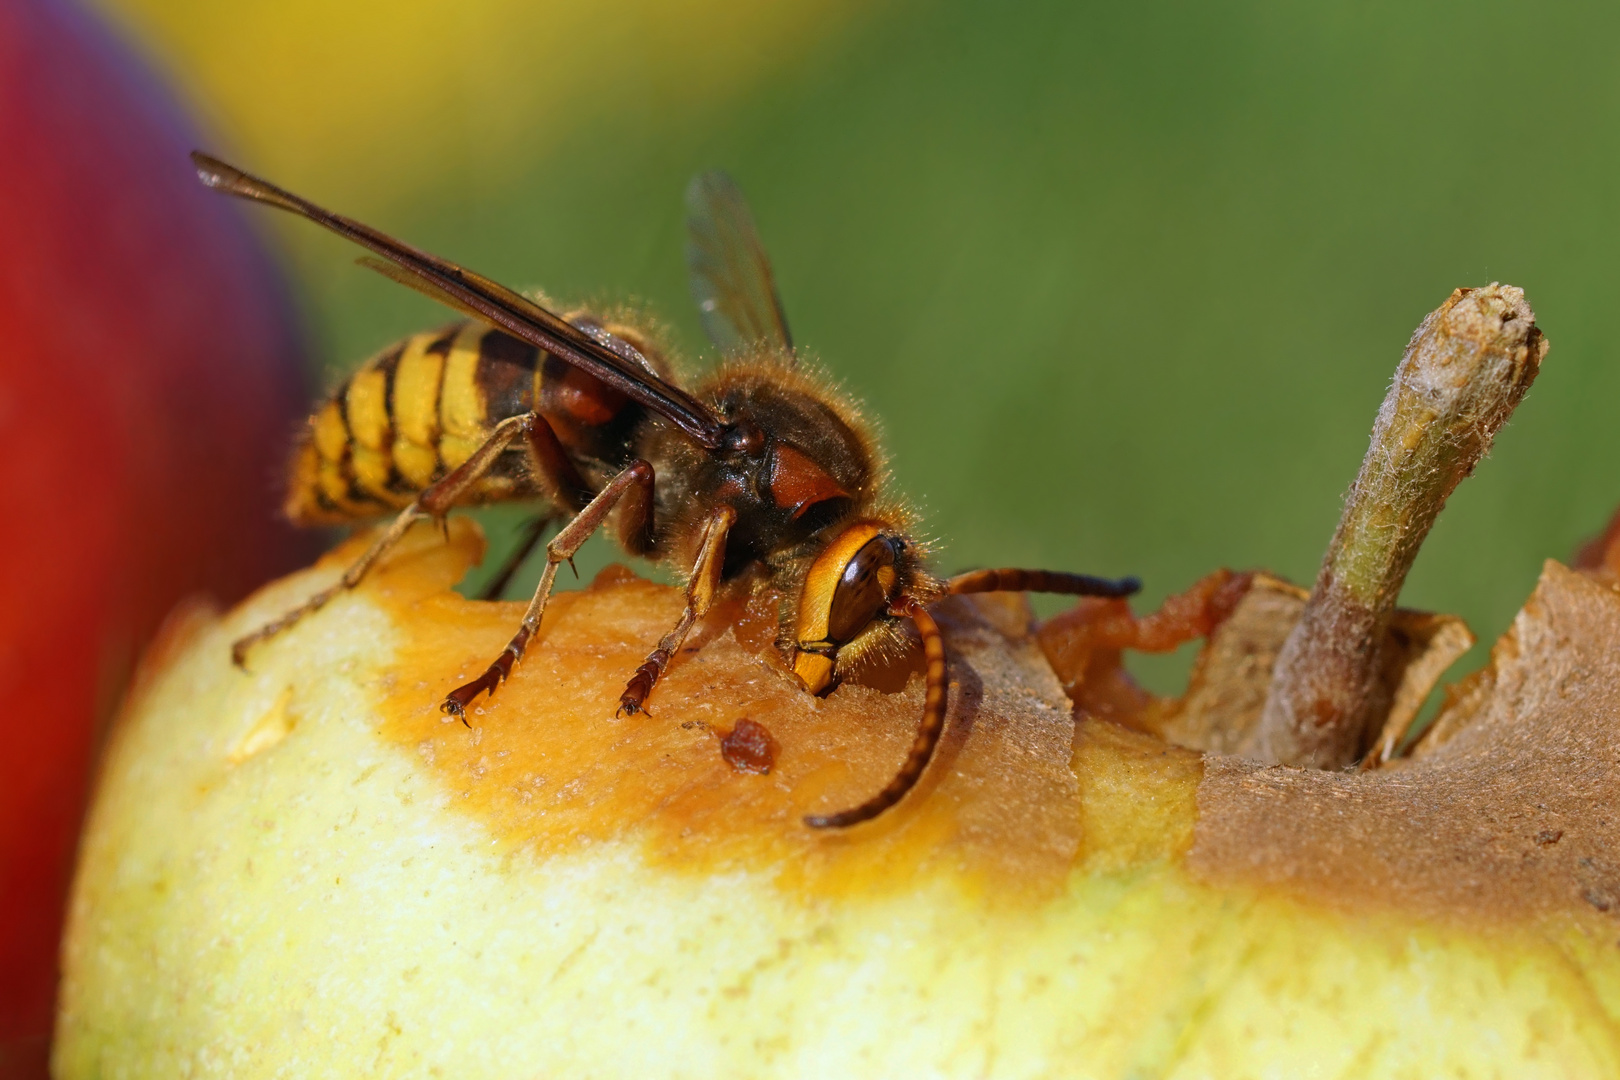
422,407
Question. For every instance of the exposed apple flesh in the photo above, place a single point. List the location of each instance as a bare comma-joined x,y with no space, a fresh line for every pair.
304,869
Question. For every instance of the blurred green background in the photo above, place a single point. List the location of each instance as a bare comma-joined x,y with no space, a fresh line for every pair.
1124,283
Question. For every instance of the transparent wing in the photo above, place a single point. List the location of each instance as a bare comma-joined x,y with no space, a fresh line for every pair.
730,275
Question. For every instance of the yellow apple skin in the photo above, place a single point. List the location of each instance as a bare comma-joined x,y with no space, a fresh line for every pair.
283,876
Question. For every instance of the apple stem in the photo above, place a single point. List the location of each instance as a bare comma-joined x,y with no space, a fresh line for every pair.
1465,370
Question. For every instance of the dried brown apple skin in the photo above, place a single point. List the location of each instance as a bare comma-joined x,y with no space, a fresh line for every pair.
1505,810
302,869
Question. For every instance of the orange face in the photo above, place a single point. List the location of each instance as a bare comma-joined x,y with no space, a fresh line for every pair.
851,583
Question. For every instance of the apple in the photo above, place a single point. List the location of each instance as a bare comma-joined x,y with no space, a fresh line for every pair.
152,373
305,869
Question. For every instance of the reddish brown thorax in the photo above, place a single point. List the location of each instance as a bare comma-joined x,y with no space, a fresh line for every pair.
797,483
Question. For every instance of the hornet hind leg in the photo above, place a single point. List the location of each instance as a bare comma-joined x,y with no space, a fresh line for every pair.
636,481
546,457
700,592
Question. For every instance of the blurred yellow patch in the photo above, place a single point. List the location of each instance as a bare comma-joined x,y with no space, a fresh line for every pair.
318,94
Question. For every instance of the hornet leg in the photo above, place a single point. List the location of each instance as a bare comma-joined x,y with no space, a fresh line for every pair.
700,592
554,474
636,481
495,587
434,502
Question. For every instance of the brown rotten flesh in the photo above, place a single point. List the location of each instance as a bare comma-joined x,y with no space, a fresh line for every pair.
305,868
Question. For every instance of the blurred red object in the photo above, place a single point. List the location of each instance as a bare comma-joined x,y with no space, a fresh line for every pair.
150,377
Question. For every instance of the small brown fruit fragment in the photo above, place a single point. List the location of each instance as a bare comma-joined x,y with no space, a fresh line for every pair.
1085,645
1462,830
1246,618
748,747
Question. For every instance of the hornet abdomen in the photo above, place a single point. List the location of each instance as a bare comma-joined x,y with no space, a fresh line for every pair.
421,407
